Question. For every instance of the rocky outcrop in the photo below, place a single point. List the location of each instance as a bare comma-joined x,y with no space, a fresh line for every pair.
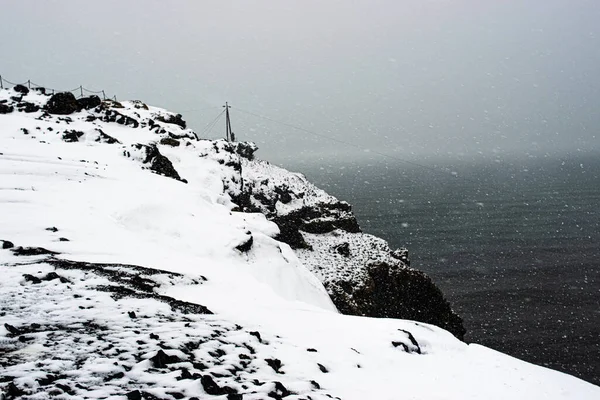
88,103
172,119
157,162
393,291
362,275
62,104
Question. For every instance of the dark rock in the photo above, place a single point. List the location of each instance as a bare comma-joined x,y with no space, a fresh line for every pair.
172,119
315,384
279,392
210,386
13,330
185,374
52,229
21,89
161,359
343,249
32,251
245,149
28,107
311,350
6,244
176,395
246,245
42,90
25,131
71,136
322,368
88,102
6,109
104,138
48,379
275,364
158,163
169,141
289,233
235,396
13,392
132,314
134,395
115,116
62,104
256,335
393,291
402,255
62,239
154,336
33,279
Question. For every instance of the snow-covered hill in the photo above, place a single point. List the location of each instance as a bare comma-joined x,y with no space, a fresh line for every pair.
130,271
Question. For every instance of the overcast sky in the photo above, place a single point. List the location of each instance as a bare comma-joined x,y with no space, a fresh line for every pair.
410,78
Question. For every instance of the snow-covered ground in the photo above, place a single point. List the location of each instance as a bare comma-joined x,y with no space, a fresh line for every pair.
100,300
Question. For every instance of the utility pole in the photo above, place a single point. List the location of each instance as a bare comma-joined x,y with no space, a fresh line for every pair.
228,133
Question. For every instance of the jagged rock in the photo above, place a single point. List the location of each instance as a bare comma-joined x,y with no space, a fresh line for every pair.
104,138
246,245
210,386
62,104
6,109
115,116
28,107
397,292
72,136
343,249
134,395
275,364
42,90
169,141
161,359
402,255
21,89
245,149
158,163
32,251
7,244
88,102
172,119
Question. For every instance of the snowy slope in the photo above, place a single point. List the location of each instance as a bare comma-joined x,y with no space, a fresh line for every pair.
121,280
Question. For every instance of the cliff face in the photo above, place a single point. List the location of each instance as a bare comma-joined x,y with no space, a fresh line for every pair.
361,273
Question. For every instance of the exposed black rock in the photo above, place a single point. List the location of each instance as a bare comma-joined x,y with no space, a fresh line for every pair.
256,335
88,102
402,255
169,141
21,89
323,368
32,251
115,116
343,249
104,138
280,391
275,364
71,136
32,279
6,109
246,245
172,119
134,395
392,291
28,107
162,359
210,386
6,244
13,392
158,163
245,149
52,229
62,104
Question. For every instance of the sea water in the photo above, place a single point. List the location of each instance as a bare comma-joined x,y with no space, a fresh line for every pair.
513,244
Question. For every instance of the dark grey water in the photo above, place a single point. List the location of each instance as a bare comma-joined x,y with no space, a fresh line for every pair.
515,246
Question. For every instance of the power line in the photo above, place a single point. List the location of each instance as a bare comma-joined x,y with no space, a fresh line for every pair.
350,144
212,124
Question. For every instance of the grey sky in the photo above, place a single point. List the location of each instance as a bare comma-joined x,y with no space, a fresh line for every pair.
411,78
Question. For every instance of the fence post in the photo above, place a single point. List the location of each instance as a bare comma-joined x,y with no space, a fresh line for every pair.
81,90
103,95
29,83
1,84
